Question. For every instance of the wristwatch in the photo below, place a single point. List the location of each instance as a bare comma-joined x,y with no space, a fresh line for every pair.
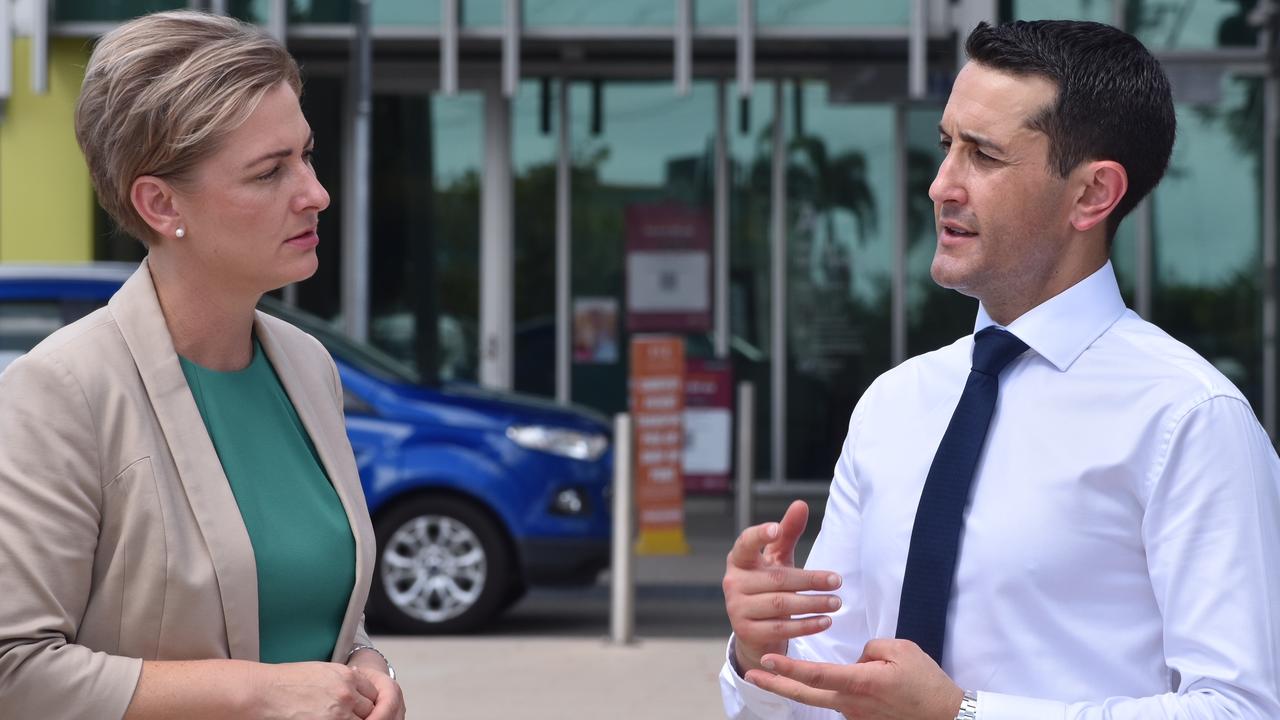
390,670
968,706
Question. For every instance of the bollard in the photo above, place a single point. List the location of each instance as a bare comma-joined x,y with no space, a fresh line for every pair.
745,465
622,581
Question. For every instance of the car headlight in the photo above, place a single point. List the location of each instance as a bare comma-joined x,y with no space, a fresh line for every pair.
559,441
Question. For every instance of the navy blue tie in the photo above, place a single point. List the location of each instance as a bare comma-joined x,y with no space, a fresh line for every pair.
935,537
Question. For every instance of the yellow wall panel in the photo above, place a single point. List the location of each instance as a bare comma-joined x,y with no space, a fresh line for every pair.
46,199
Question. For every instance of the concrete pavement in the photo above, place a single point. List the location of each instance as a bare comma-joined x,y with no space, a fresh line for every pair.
548,659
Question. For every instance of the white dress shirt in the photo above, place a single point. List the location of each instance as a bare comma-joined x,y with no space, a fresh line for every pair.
1120,558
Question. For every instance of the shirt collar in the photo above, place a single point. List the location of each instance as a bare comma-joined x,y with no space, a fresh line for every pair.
1061,328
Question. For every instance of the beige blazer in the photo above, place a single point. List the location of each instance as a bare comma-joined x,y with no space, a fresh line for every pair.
120,539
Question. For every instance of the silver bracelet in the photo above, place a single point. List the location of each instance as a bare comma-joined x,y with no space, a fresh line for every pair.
968,706
390,670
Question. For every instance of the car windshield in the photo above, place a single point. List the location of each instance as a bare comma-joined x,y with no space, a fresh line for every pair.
363,357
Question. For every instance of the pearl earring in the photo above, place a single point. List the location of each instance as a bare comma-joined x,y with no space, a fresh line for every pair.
181,232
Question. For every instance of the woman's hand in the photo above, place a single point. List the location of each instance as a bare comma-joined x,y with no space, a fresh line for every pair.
315,691
389,704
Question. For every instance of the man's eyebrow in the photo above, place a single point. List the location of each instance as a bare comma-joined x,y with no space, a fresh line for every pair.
282,153
980,140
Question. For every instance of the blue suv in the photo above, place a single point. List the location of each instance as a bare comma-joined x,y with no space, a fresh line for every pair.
474,495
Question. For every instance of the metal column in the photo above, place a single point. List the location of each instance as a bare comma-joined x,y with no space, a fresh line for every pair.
278,19
449,46
1270,195
355,236
40,47
778,240
746,46
722,329
564,246
683,46
917,49
496,244
511,49
898,296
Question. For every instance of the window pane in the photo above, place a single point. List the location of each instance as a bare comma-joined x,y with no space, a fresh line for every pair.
812,13
651,155
750,254
385,12
1183,24
1207,236
1096,10
635,13
534,165
481,13
936,316
107,10
840,200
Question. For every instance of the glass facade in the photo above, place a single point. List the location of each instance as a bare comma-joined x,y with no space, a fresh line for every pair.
109,10
1190,257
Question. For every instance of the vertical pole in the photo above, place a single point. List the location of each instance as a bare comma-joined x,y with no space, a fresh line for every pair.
40,47
1146,256
683,46
564,246
746,46
622,586
6,55
743,498
278,19
1271,117
511,50
355,245
496,245
917,49
722,329
449,47
898,297
778,237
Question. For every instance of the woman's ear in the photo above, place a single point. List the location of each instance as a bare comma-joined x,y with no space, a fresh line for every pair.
154,200
1104,183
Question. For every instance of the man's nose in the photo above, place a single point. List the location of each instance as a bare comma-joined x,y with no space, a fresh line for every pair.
947,185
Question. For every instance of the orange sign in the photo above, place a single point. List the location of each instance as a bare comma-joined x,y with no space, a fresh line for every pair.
657,411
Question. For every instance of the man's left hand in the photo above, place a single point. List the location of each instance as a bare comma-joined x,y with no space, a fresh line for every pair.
893,680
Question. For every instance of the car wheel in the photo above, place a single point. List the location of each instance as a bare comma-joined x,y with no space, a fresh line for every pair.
443,567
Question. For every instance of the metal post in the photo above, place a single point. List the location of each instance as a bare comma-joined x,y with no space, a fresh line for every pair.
1143,281
218,7
40,48
511,50
6,55
355,245
278,19
898,296
721,190
746,46
743,498
917,49
1271,117
778,239
683,46
622,581
449,46
564,246
496,245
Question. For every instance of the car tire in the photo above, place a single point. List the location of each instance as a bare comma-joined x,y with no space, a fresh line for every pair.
443,566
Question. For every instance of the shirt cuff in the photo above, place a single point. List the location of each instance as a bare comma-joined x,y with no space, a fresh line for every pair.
995,706
739,695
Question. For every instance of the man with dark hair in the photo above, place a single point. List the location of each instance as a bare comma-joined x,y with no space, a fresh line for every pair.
1068,515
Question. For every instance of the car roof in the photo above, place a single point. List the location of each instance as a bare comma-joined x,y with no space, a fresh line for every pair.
116,272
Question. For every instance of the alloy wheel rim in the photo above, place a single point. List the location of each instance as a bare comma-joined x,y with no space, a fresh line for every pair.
434,568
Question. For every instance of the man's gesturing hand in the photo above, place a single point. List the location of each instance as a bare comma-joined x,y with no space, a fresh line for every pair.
762,589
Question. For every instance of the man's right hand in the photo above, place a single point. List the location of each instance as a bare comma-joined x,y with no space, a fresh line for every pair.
762,589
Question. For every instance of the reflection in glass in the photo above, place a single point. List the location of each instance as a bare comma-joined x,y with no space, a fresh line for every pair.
1096,10
645,147
1185,24
534,166
483,13
840,227
1207,238
110,10
810,13
593,13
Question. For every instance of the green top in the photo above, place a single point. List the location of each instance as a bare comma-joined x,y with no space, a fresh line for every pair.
302,542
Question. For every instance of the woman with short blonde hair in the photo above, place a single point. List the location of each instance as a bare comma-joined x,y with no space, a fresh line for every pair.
184,532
